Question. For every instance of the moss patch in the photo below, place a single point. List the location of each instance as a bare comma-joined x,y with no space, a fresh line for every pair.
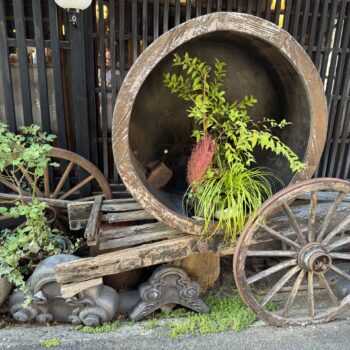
105,328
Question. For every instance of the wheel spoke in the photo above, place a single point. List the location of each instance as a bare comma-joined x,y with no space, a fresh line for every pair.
294,223
312,218
77,187
271,270
340,272
47,182
272,253
6,217
293,293
339,228
326,285
63,179
282,238
280,284
343,256
339,243
310,294
12,187
329,215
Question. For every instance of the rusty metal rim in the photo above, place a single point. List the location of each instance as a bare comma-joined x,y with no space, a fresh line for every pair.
242,245
221,21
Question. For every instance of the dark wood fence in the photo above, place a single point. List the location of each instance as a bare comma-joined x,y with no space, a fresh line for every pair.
66,77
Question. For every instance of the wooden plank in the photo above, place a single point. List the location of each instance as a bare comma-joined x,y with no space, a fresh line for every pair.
5,73
165,15
40,54
120,207
57,75
155,19
103,94
144,24
125,260
18,12
134,30
122,39
120,232
93,225
69,290
138,239
127,216
188,10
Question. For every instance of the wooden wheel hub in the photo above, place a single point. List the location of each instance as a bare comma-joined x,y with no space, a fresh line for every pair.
314,257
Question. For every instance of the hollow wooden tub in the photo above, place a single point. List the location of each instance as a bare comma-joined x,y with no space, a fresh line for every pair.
262,60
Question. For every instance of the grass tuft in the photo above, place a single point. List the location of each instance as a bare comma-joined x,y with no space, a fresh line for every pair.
50,343
105,328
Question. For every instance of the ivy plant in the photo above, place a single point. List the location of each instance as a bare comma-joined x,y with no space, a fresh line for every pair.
24,156
228,186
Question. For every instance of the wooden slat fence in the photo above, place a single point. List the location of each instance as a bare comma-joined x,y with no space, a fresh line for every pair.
67,78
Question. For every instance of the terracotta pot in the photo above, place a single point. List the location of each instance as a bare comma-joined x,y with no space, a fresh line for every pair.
5,289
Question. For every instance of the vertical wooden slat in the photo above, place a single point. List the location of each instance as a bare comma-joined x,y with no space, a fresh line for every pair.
277,11
40,54
312,32
121,39
23,61
166,16
287,13
250,7
239,5
134,29
321,32
144,23
5,73
258,7
199,7
296,19
188,10
155,19
91,64
103,99
330,34
78,86
229,5
57,75
209,6
268,10
177,12
305,22
219,7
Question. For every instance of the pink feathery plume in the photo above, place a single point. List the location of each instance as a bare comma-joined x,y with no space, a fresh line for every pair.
201,157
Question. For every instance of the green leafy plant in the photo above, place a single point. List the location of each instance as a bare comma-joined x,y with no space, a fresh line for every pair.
104,328
220,173
228,313
23,159
50,343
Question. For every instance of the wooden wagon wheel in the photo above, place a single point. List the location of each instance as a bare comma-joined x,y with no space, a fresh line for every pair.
307,255
70,163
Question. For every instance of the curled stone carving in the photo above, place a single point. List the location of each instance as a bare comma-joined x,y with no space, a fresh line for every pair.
92,306
168,285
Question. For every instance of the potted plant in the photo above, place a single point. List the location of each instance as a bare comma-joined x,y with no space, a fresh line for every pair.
224,186
23,156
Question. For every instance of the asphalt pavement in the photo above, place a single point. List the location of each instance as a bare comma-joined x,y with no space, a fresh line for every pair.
333,335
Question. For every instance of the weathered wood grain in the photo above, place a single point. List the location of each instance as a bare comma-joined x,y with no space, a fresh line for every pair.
127,216
69,290
93,225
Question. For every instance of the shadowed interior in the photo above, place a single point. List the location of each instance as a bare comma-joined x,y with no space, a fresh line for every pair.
159,120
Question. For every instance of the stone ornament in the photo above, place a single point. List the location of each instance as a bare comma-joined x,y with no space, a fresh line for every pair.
168,285
91,307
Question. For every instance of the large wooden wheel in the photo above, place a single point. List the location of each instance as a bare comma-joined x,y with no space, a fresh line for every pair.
69,181
292,268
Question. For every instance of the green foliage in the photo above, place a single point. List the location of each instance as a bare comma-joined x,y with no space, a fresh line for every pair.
229,195
230,183
229,313
24,156
50,343
104,328
151,324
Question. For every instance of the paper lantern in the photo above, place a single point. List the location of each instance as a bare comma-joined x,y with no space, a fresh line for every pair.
74,4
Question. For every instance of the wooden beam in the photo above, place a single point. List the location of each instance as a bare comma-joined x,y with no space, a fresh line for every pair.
93,226
69,290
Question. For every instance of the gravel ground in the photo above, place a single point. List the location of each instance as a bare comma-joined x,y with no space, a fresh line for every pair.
333,335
